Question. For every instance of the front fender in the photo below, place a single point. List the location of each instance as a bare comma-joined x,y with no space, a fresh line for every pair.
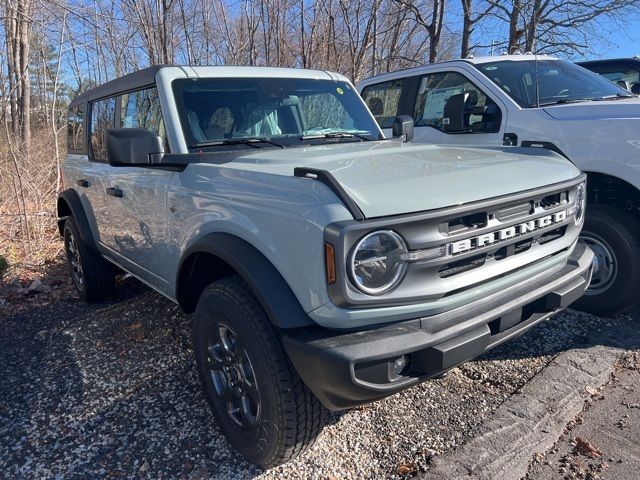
266,282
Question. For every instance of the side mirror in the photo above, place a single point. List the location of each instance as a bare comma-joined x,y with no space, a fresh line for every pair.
453,113
403,127
133,147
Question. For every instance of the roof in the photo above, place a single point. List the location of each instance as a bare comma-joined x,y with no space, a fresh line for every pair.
635,59
131,81
472,60
511,58
147,76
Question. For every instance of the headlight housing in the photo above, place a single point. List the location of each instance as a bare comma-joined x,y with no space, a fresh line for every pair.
375,263
580,203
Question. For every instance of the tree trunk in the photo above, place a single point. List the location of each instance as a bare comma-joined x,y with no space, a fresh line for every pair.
24,102
467,28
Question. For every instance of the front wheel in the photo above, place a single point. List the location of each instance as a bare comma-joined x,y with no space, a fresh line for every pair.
614,237
259,401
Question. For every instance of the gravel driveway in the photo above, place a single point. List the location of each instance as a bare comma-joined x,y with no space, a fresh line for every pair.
110,390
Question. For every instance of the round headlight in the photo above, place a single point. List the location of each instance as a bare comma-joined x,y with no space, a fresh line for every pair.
375,264
580,203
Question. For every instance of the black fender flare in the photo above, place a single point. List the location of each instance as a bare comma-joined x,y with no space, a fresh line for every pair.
262,277
72,200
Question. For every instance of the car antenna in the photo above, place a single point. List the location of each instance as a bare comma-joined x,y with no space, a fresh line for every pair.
535,61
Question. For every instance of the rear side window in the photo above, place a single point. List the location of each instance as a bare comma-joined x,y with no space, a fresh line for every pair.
437,90
75,128
141,109
383,100
102,118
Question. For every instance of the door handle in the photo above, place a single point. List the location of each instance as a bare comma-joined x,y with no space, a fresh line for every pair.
82,183
114,192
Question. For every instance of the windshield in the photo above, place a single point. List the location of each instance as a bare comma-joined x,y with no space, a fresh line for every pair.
270,112
559,82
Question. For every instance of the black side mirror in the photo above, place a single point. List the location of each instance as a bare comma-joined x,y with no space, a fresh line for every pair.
453,113
133,147
403,127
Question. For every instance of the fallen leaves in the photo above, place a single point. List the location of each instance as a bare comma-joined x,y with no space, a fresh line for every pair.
591,391
406,469
583,447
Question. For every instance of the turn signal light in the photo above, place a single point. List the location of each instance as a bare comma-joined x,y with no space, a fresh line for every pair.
329,263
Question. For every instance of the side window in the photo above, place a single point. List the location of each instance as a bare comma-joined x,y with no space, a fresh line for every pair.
102,118
449,102
383,100
625,78
141,109
75,128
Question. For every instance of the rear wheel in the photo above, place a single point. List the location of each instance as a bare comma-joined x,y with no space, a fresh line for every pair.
259,401
92,275
614,237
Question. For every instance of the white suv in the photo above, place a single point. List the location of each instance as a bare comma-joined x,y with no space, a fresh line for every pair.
540,102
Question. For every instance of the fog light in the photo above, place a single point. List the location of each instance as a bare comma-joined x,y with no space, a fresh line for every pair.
401,365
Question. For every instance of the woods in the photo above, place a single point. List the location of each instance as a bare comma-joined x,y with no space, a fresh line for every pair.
55,49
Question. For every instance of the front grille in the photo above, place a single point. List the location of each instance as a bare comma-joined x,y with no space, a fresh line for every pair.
461,266
554,200
514,212
552,235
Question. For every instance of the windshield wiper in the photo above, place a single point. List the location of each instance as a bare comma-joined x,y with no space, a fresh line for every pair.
617,96
562,101
239,141
317,136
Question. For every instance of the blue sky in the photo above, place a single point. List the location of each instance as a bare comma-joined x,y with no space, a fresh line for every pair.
624,42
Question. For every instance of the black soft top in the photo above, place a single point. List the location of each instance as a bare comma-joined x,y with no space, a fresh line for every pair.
131,81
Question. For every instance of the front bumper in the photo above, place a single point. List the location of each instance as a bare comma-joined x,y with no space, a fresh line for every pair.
348,369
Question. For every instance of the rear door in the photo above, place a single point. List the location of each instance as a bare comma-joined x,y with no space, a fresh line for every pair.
84,171
138,196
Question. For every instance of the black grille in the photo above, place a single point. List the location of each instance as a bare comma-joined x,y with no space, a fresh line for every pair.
465,265
552,235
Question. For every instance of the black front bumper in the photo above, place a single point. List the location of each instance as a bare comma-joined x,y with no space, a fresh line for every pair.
348,369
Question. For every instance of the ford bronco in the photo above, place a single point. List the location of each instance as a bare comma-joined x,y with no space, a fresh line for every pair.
326,266
550,104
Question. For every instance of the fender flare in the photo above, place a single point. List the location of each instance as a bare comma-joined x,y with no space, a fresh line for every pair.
265,281
72,200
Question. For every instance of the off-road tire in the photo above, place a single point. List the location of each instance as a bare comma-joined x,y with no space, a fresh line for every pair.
290,417
608,228
97,274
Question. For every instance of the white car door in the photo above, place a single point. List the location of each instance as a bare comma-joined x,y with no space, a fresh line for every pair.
138,197
447,105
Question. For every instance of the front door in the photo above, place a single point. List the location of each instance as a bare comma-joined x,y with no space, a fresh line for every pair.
138,197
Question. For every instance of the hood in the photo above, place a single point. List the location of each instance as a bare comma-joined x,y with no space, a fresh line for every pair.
602,110
392,178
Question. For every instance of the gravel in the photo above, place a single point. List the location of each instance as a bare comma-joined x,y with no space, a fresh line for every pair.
110,390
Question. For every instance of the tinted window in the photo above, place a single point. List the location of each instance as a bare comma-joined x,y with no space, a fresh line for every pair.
222,112
141,109
624,76
383,100
102,118
439,91
558,82
75,128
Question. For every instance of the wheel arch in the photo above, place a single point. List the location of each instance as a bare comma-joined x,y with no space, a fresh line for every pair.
218,255
605,189
69,205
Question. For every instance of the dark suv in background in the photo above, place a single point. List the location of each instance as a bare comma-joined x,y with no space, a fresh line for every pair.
623,71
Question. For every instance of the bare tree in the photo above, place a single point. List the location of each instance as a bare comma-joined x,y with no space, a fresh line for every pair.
432,21
472,14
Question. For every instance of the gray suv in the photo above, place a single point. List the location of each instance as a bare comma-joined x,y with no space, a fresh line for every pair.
327,267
